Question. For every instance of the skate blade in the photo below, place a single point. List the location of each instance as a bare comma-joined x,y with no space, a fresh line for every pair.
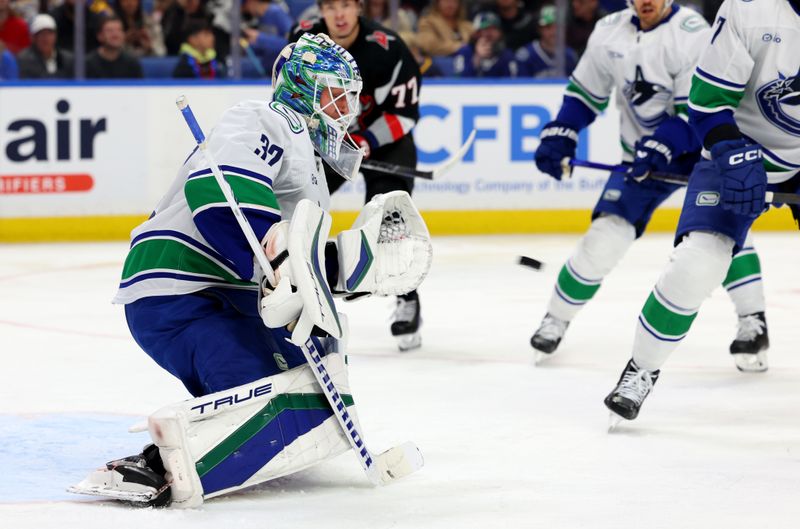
751,363
408,342
143,497
398,462
613,421
539,357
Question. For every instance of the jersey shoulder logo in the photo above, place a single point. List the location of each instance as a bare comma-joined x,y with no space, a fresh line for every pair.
779,102
295,122
380,38
306,24
610,20
694,23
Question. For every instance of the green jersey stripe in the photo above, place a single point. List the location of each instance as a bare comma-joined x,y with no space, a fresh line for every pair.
705,95
598,105
204,190
172,254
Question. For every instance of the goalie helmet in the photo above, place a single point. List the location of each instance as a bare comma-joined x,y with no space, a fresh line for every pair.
307,70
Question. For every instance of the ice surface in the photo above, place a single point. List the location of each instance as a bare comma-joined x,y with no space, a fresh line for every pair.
506,444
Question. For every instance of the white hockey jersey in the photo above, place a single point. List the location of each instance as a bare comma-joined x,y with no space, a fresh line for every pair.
651,69
192,240
752,68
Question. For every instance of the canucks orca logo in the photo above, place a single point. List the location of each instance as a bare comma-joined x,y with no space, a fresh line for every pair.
640,92
779,102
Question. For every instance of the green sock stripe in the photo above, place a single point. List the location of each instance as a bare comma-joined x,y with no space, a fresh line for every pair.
664,320
574,288
742,266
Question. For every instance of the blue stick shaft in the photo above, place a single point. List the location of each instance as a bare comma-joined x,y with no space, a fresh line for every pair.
188,115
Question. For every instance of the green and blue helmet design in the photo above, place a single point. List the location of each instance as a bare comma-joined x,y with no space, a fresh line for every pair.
301,76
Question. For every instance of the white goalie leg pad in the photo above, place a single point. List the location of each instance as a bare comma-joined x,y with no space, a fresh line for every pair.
226,441
388,250
312,303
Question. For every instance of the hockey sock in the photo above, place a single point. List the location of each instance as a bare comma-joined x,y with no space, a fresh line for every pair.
743,281
598,252
696,267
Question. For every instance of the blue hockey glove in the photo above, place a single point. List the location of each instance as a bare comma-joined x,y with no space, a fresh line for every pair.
744,179
651,155
558,141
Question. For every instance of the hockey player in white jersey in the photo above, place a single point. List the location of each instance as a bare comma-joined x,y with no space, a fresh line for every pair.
648,53
197,303
744,106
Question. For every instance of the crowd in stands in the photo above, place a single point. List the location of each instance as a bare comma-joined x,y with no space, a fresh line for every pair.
129,39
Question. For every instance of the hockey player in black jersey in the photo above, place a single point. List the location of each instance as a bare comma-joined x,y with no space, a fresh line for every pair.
389,111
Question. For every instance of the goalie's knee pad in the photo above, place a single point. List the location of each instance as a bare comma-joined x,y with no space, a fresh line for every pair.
233,439
602,247
697,266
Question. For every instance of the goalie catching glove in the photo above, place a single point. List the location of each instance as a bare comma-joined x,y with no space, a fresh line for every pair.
388,249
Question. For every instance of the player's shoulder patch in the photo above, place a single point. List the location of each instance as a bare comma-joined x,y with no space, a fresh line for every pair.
381,38
296,123
614,18
692,22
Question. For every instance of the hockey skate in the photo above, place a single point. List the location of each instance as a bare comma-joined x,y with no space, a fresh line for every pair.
138,480
749,348
547,337
406,322
626,399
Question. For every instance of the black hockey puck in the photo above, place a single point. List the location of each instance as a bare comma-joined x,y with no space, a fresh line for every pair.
530,262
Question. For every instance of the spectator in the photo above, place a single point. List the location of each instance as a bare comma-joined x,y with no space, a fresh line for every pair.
270,29
198,58
427,68
444,29
64,15
41,60
110,60
518,24
538,58
486,55
585,14
142,34
174,20
13,29
378,11
9,71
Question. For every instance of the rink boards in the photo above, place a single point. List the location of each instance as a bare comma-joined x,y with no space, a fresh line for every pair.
88,161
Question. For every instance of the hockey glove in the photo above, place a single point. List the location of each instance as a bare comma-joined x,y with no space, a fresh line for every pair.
558,141
744,179
387,251
280,302
651,155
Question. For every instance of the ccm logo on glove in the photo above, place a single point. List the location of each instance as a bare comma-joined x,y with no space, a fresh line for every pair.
741,157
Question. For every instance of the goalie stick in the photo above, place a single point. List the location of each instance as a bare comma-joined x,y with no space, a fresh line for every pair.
671,178
410,172
394,463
